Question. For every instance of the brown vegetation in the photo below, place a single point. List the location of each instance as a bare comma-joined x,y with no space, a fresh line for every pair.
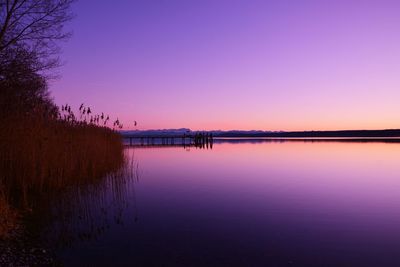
40,154
42,148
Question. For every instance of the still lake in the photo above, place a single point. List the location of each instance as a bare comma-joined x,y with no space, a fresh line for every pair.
241,203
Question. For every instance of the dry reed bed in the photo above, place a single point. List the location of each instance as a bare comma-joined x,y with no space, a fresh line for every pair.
40,155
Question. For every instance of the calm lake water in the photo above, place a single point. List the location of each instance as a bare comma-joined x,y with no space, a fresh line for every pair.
241,203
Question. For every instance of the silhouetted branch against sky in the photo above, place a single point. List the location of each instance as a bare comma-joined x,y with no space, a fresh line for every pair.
34,26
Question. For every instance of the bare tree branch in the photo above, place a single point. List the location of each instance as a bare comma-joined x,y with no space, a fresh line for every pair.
35,26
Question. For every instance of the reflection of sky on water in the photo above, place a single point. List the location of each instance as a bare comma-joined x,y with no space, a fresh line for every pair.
269,203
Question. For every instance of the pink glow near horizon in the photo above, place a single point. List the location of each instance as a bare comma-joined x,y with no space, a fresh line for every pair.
269,65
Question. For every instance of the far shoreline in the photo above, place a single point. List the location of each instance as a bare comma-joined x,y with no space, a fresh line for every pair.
387,133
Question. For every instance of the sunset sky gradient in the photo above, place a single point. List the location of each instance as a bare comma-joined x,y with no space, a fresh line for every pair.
268,65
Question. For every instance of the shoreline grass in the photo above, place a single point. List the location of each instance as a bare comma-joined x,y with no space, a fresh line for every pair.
41,154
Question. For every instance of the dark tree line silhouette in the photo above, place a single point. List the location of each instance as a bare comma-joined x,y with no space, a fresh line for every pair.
43,147
29,34
32,29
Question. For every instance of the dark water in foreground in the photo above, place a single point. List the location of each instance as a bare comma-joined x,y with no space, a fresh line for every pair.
240,204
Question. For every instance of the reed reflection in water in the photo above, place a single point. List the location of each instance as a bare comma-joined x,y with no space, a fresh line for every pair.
83,213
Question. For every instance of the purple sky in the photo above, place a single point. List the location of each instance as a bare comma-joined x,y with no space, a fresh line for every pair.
270,65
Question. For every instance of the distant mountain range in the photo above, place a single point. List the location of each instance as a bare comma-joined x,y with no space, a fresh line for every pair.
276,134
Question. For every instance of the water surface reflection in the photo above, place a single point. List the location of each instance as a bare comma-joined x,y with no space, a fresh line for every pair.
83,213
248,203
